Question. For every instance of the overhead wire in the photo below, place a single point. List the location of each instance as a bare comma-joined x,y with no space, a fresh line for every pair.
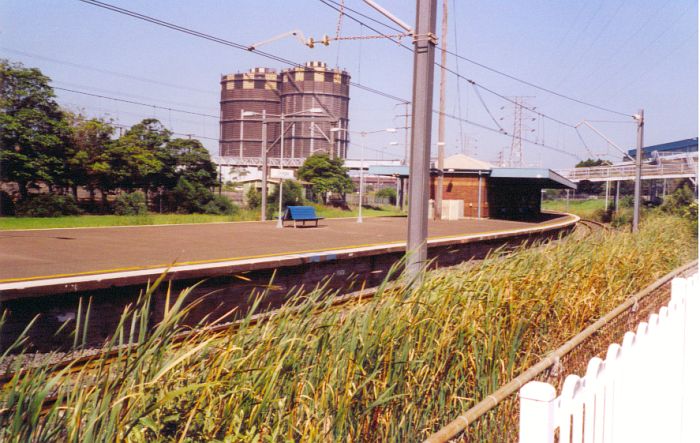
105,71
481,65
459,76
222,41
133,102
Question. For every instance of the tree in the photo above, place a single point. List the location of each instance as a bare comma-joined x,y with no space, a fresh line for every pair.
88,155
191,160
140,159
587,187
33,133
292,194
325,175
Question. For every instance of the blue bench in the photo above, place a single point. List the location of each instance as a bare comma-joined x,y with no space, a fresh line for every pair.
302,214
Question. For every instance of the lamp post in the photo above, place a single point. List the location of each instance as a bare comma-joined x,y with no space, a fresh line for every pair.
362,134
276,118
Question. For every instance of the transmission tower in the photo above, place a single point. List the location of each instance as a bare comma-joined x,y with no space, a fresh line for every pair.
520,117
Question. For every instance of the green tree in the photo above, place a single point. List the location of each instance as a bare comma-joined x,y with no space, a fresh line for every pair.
33,133
189,159
140,159
88,155
292,194
325,175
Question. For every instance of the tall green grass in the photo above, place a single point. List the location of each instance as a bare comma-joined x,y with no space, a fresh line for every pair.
393,368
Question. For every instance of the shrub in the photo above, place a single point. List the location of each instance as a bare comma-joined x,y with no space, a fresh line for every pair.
220,205
292,194
253,198
191,197
132,203
389,193
47,205
627,201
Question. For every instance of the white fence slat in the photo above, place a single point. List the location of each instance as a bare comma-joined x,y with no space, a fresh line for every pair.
537,412
646,390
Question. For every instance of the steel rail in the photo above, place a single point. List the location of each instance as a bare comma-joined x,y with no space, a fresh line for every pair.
460,423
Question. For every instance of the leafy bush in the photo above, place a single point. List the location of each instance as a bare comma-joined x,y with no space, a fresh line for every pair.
292,194
47,205
191,197
253,198
132,203
627,201
389,193
220,205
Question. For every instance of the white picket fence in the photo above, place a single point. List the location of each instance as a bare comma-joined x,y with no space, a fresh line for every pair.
646,390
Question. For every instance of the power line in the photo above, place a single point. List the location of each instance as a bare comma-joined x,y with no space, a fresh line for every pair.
132,102
105,71
481,65
222,41
507,134
457,73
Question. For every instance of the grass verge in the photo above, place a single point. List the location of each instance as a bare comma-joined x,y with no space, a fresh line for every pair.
83,221
394,368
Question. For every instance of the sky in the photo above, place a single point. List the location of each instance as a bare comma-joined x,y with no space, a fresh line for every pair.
621,55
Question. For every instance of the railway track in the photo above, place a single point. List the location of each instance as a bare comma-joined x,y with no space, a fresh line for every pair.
592,225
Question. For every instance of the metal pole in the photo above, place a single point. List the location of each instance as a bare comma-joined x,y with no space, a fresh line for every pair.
313,136
396,203
478,202
263,190
421,126
240,142
617,195
607,192
362,178
437,212
281,189
294,127
638,170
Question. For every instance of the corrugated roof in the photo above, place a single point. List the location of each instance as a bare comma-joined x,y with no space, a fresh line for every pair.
687,145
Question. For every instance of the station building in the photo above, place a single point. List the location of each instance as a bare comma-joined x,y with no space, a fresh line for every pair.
476,189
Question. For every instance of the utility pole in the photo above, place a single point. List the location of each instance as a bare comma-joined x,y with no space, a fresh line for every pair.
424,41
263,190
638,170
437,211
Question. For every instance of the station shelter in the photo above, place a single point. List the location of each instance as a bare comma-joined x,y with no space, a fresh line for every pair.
486,191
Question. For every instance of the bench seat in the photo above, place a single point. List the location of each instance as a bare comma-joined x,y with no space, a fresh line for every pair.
302,214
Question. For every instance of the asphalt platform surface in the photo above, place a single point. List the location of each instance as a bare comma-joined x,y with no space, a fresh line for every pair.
55,253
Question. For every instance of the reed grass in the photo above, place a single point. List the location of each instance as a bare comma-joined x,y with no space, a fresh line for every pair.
393,368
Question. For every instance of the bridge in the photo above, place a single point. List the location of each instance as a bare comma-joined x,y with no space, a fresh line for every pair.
661,167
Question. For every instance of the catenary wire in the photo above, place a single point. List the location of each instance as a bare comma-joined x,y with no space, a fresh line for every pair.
105,71
481,65
133,102
224,42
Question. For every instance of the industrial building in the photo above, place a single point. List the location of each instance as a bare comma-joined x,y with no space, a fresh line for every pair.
315,95
687,146
482,191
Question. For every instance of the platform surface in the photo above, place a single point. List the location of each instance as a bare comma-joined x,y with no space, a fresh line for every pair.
29,255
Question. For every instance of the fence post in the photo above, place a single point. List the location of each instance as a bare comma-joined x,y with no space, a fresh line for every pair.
537,412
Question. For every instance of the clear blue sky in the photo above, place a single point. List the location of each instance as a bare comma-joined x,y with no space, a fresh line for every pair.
620,54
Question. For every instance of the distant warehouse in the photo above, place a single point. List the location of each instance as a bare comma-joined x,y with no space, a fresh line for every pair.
316,96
